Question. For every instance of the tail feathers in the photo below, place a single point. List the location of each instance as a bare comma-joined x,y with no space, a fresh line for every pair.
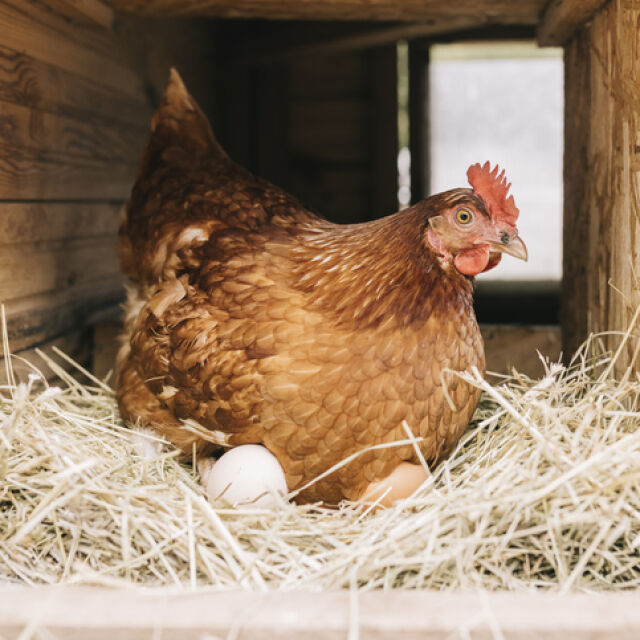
179,122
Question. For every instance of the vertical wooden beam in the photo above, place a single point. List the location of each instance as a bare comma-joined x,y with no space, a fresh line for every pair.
419,118
383,80
602,175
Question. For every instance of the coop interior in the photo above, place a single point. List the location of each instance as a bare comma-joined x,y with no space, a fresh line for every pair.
358,109
338,104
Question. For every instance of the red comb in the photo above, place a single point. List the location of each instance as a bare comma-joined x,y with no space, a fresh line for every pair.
493,189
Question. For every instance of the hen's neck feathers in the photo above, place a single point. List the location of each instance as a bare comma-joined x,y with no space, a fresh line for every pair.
378,272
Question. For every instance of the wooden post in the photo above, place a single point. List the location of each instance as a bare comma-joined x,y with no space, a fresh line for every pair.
602,175
383,127
419,118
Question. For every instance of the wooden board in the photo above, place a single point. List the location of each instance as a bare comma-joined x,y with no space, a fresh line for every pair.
28,27
84,11
37,222
76,344
38,130
29,82
483,11
561,18
602,176
34,320
40,175
509,347
333,130
67,612
34,268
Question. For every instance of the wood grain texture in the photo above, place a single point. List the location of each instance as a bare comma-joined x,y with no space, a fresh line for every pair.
30,269
36,319
37,222
30,28
72,612
33,129
483,11
29,82
561,18
32,174
602,175
359,38
92,12
76,344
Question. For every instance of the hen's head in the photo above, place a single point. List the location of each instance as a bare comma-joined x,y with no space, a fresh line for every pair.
474,227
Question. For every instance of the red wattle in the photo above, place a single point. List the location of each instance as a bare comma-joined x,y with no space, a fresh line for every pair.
473,261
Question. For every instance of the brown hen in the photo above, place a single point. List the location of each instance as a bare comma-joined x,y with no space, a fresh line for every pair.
256,321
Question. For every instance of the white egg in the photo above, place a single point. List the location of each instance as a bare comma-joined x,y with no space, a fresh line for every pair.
246,476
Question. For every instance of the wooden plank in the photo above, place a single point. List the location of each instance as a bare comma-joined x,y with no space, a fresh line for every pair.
482,11
341,75
38,268
419,144
37,222
561,18
105,349
340,194
383,131
332,130
76,344
602,177
507,347
272,91
38,130
36,319
85,11
362,38
30,29
27,174
29,82
73,612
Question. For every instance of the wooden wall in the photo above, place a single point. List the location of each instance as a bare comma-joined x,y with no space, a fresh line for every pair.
602,174
322,125
76,96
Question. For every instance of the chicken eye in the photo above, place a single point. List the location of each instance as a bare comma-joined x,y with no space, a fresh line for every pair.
464,216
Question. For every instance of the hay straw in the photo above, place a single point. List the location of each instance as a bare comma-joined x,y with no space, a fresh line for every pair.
543,491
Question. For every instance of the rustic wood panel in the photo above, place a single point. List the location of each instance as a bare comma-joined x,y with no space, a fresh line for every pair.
483,11
332,130
32,29
562,17
602,174
419,143
105,348
325,77
37,268
337,194
85,11
67,612
36,319
516,347
29,82
42,131
37,222
76,344
383,131
36,175
76,98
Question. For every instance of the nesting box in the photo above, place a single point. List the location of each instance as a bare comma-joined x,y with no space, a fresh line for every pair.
79,80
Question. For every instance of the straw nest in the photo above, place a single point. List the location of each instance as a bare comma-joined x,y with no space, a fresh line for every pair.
543,491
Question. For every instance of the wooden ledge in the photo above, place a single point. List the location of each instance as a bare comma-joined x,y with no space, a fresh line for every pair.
91,612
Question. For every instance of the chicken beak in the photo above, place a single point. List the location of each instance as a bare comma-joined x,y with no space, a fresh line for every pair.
513,247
